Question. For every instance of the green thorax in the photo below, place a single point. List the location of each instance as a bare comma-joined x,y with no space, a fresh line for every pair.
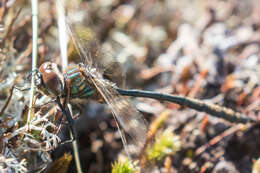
78,84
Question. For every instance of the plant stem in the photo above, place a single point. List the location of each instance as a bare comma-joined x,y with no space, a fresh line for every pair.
63,40
34,4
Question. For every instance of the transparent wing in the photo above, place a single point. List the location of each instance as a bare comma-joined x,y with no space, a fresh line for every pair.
124,112
90,50
84,52
85,55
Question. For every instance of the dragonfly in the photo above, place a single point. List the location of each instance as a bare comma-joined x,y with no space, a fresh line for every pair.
85,81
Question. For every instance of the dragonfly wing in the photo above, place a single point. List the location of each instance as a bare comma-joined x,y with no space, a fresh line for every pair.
82,49
125,113
78,42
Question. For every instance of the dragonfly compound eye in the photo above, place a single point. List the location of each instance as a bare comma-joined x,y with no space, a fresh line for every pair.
51,79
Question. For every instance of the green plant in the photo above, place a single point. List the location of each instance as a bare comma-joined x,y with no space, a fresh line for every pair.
166,144
123,167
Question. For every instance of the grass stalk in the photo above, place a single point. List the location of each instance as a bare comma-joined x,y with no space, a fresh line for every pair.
63,40
34,4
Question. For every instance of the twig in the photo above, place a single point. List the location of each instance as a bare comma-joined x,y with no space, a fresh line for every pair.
212,109
63,36
10,27
7,101
63,40
3,10
218,138
34,53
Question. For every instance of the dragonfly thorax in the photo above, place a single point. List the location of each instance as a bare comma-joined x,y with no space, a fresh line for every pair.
78,83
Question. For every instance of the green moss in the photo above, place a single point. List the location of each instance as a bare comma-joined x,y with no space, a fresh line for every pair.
123,167
166,144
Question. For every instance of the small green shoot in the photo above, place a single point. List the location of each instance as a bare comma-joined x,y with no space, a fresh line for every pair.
165,145
123,167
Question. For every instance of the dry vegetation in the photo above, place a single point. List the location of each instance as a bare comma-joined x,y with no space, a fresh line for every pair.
209,50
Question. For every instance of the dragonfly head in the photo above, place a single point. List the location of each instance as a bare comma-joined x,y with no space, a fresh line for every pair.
49,80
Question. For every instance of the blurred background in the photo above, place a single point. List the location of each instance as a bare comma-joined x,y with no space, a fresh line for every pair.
209,50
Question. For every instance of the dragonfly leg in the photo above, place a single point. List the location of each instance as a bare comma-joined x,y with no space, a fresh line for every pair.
65,110
59,124
67,123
